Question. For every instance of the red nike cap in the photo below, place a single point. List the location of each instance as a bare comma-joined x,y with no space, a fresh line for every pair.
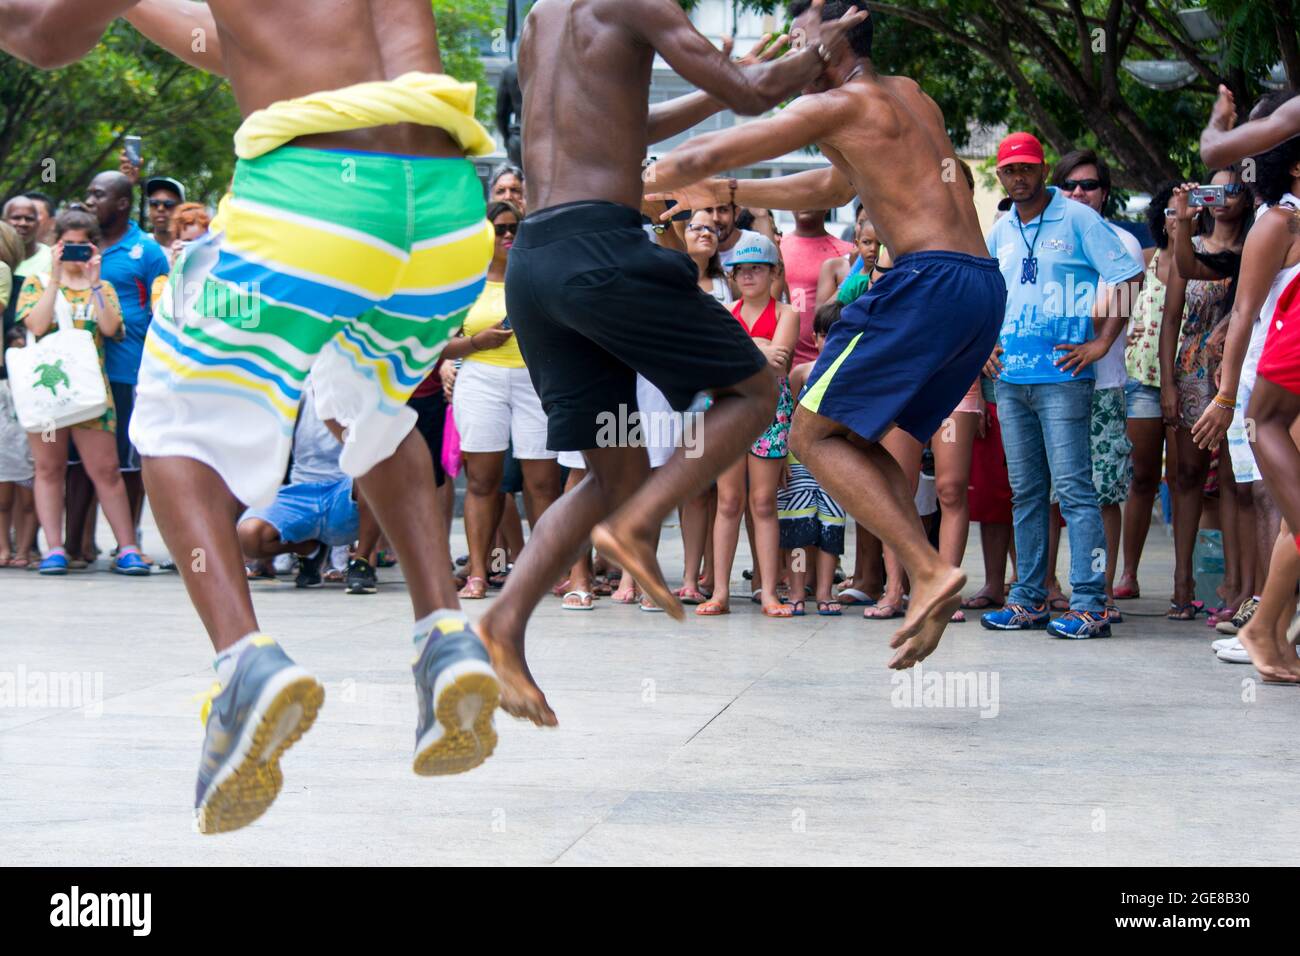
1020,148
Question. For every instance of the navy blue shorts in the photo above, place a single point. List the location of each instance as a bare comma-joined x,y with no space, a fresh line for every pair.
907,351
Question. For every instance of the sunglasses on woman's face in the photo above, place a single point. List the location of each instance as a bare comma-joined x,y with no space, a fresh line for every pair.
1087,185
506,228
163,204
1234,189
700,227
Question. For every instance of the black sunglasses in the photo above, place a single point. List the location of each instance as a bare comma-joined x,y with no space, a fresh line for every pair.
1234,189
506,228
1088,185
163,203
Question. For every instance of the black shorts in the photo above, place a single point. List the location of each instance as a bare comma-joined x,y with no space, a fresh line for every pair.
430,422
593,302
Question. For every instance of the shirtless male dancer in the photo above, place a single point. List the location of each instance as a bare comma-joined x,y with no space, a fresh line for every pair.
906,351
351,245
593,301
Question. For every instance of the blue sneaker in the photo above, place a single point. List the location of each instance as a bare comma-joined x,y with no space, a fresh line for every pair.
456,694
1080,625
1017,617
53,564
129,563
268,704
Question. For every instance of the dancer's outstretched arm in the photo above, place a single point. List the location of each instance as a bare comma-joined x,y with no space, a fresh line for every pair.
1221,145
183,28
53,33
804,122
677,115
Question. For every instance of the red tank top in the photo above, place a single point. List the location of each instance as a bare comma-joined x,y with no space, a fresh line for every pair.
764,325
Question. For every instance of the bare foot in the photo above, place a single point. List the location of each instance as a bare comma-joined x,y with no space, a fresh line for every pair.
637,556
934,601
1274,666
520,695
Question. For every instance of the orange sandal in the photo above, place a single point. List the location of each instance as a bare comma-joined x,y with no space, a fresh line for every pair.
712,608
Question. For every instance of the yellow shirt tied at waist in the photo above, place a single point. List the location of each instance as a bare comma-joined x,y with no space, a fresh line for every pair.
429,99
488,310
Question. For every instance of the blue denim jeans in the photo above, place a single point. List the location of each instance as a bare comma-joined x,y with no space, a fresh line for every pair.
1046,435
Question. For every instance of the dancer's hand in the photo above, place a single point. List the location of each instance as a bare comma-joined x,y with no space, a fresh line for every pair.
1224,114
56,263
1079,357
704,194
765,50
811,31
1211,426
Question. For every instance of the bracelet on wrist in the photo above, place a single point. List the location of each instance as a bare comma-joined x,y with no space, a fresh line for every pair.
1227,402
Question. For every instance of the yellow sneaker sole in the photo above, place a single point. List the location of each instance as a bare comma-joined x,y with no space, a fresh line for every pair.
253,785
465,711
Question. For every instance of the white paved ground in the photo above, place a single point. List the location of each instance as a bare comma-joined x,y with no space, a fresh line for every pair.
733,740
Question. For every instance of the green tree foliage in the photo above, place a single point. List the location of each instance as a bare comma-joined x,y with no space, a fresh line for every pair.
60,128
1056,67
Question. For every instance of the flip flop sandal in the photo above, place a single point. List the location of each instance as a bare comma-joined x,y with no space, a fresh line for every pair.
850,596
980,602
650,606
600,587
756,596
829,609
796,609
1184,612
475,589
259,574
958,617
584,601
779,610
893,611
712,608
560,589
1123,593
690,595
632,598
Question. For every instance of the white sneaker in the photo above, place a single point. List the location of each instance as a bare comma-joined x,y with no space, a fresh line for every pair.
1234,655
1224,642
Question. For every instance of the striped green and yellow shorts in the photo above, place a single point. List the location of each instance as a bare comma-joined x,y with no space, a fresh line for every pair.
355,267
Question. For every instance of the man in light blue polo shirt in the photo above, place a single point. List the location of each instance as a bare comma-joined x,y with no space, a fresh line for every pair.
1051,252
131,263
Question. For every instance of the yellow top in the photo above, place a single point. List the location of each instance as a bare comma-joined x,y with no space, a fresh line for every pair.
430,99
488,310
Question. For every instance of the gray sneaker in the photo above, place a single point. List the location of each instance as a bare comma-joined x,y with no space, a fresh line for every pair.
456,694
268,704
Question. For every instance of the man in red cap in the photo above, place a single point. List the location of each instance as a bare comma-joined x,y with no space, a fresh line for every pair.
1053,253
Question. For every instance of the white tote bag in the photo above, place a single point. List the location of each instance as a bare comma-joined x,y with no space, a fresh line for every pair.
57,381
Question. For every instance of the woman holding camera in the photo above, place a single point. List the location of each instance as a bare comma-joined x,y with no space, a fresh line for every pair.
73,288
1198,300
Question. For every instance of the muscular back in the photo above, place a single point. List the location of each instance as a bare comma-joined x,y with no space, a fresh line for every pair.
892,145
586,82
286,48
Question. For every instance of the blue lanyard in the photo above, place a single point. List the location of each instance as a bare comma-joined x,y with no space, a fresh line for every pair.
1029,264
